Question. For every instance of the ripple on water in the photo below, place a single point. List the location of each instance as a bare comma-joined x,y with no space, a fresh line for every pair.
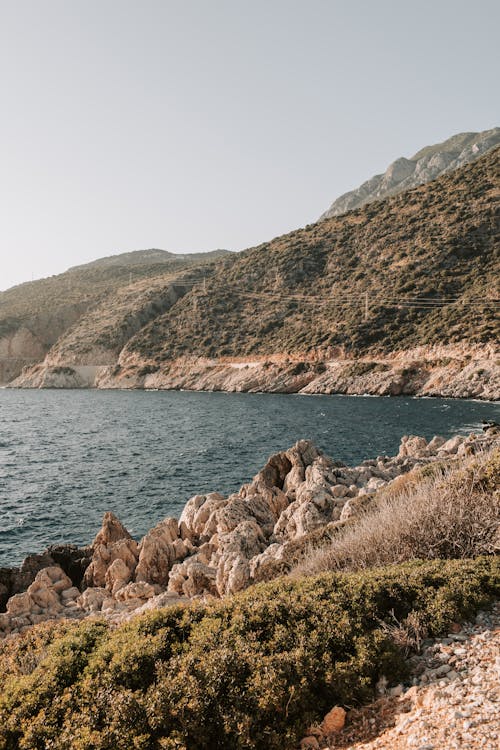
68,456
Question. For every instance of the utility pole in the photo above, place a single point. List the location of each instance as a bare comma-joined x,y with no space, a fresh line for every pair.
366,306
204,284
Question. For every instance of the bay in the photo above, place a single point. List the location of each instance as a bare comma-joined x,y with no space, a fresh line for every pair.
68,456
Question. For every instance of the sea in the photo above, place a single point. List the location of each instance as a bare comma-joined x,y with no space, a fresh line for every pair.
67,456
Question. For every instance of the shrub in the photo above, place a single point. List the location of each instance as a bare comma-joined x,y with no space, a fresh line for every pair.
250,672
440,511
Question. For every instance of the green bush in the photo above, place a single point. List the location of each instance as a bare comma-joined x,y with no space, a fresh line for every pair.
248,672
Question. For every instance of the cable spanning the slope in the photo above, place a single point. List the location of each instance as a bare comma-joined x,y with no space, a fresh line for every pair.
365,298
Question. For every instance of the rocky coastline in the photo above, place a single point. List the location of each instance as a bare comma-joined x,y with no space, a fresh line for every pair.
219,545
447,371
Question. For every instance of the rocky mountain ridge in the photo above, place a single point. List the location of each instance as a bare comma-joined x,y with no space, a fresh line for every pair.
427,164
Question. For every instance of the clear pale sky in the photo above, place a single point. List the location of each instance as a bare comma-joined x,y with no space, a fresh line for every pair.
191,125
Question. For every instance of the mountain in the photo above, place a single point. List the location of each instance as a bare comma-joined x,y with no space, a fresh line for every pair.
396,297
147,257
35,315
425,165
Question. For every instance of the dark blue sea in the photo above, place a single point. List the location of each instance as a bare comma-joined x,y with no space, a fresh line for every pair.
68,456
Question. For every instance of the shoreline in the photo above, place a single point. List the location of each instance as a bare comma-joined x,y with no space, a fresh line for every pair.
122,389
219,545
444,371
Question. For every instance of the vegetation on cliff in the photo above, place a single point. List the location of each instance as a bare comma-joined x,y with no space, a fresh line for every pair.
349,282
251,671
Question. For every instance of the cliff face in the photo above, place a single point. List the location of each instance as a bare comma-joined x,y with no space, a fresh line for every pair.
448,371
427,164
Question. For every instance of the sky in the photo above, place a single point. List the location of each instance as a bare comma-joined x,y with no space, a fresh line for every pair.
191,125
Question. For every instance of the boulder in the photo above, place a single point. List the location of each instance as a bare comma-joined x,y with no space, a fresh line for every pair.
140,590
334,721
413,446
19,604
117,575
451,446
92,598
192,577
52,577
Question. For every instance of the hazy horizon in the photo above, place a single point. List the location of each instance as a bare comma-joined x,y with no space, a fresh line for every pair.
191,126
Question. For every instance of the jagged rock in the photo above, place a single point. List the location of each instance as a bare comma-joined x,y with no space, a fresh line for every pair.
140,590
104,555
112,530
313,507
52,577
220,546
451,446
41,601
235,551
16,580
92,598
269,564
73,561
117,575
275,471
413,446
436,443
197,512
113,542
158,551
192,577
234,512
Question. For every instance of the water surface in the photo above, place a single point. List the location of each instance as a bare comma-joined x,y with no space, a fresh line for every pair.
68,456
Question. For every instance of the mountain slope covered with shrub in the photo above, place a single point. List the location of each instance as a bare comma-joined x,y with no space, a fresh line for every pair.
348,282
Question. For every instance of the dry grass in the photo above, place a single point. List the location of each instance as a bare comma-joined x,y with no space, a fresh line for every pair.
439,512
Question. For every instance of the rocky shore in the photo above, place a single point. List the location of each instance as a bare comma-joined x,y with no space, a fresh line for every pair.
453,371
219,545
